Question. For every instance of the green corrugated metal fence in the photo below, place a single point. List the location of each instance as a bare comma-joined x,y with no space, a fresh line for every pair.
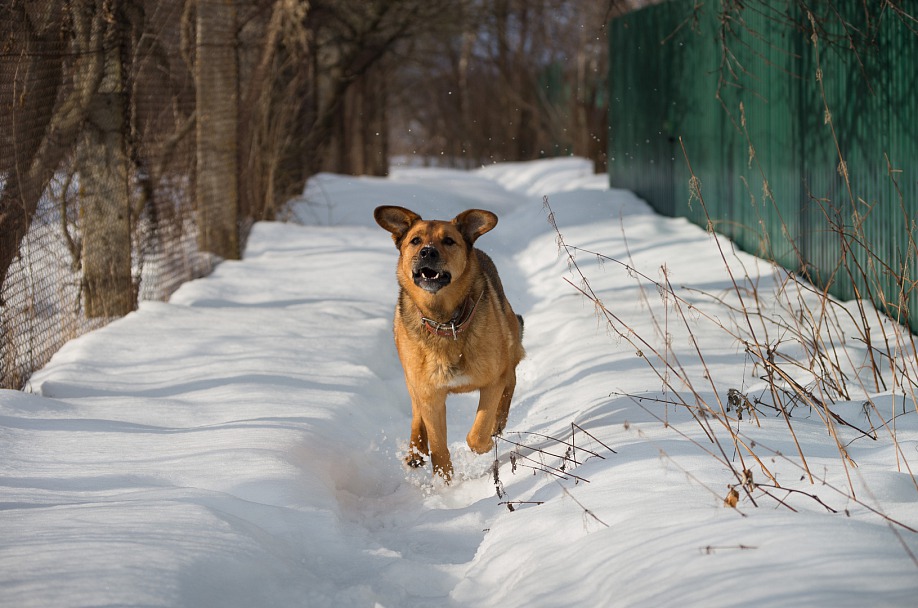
741,88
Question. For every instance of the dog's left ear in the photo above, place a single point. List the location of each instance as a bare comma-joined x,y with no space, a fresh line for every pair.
474,222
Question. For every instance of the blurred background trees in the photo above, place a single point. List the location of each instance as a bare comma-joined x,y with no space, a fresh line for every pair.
505,80
458,83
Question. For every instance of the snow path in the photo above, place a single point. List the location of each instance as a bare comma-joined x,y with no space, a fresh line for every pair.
241,445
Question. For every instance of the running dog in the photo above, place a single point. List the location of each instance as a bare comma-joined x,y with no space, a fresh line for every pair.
454,329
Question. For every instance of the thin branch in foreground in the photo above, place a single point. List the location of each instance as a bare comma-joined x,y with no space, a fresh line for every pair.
593,437
580,504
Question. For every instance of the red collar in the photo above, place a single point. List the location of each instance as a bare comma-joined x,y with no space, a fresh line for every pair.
457,324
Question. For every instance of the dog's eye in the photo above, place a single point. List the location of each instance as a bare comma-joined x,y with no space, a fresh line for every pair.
449,241
416,240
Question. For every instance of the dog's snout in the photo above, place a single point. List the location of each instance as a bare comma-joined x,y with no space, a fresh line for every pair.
429,253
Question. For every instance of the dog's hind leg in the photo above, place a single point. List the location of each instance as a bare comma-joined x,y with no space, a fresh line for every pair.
503,409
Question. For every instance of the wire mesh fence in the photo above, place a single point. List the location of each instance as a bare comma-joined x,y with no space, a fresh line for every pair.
101,157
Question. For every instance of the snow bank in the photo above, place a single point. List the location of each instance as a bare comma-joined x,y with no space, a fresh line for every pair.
241,445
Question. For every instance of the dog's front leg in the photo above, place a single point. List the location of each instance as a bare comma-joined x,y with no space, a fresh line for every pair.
479,437
418,447
434,411
428,428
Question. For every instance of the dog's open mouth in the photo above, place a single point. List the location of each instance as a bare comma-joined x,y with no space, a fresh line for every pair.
430,279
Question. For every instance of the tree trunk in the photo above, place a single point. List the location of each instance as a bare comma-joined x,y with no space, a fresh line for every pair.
376,125
105,215
363,133
105,202
216,79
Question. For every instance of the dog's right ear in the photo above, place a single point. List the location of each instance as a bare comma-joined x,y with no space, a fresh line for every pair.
396,220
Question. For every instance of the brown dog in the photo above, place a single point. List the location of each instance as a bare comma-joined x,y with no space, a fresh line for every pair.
454,329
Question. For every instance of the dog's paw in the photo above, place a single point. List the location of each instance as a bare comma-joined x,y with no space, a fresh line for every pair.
415,462
478,444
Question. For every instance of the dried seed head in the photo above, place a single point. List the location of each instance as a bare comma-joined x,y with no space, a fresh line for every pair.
732,498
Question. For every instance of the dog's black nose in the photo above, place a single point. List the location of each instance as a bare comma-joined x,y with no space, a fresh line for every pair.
429,253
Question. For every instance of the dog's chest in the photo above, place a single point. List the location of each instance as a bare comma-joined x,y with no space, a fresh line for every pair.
454,374
451,372
458,381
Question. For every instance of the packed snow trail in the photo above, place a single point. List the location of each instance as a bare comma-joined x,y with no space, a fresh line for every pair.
241,445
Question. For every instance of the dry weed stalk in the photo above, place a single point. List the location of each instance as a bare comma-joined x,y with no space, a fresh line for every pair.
806,317
548,455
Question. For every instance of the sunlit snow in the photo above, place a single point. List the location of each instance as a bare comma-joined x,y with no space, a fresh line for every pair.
242,444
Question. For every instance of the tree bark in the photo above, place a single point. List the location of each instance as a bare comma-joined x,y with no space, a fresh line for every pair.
105,208
217,85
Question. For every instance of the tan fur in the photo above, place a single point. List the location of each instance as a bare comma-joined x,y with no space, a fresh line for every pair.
482,357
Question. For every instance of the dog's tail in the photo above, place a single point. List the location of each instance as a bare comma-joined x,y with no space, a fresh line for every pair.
520,319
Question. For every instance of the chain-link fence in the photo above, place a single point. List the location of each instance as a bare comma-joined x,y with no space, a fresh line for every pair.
119,158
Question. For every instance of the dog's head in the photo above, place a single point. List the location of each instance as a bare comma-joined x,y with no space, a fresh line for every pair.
434,253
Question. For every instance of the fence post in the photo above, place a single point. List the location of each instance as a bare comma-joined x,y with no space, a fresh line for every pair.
217,94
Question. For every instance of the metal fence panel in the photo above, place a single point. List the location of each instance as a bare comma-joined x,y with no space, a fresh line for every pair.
798,125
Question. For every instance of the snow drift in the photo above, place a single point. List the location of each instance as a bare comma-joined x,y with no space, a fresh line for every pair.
241,444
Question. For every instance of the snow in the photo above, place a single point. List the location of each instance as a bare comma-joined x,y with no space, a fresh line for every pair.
242,444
